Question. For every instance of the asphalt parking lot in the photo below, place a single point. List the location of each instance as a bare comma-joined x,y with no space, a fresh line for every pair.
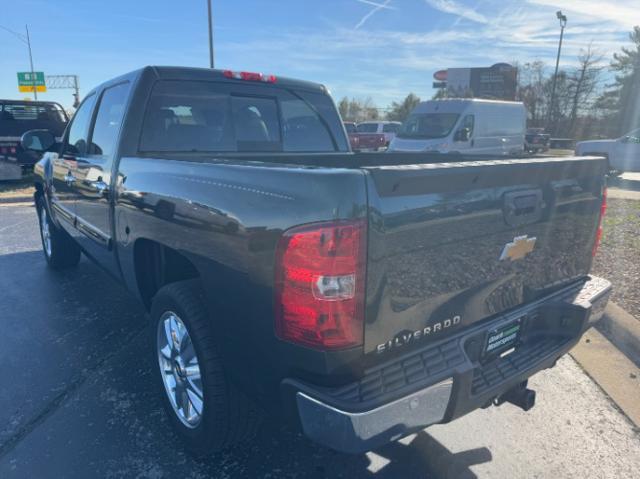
77,400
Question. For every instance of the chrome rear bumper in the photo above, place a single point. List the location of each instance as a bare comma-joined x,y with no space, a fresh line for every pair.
343,418
348,432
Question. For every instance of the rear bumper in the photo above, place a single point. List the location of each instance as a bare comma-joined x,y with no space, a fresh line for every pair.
445,380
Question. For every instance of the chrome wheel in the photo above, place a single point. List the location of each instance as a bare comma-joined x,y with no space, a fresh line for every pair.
45,232
180,369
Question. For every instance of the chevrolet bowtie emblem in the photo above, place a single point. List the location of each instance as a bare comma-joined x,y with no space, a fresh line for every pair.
520,247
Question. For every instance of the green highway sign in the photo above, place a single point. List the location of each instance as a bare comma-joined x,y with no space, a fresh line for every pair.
27,80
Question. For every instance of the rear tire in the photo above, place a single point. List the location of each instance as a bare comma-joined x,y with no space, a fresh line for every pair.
60,251
217,415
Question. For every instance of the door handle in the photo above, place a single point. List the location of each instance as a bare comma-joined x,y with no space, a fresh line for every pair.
101,187
69,179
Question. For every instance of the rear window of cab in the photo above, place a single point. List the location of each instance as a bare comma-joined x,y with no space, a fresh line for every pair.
198,116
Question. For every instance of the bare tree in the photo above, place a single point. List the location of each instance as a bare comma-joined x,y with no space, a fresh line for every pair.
583,84
531,90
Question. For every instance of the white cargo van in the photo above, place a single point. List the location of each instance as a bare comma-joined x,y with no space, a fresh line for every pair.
468,126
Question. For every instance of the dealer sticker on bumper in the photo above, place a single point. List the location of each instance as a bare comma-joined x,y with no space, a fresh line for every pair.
503,338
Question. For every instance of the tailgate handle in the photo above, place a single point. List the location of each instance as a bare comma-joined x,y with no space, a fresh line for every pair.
523,207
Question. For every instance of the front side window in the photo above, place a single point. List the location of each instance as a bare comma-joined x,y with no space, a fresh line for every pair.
77,139
467,122
428,125
390,128
108,120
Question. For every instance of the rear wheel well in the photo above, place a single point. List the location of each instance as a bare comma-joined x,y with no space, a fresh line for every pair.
157,265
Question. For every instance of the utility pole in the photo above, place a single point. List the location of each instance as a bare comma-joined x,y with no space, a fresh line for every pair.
210,34
563,22
33,76
76,94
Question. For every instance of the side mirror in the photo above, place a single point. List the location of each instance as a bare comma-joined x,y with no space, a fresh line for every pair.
463,134
625,139
37,140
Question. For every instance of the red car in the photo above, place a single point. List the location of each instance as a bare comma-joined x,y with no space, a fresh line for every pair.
363,141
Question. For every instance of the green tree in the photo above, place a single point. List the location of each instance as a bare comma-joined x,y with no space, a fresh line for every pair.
400,111
357,109
621,101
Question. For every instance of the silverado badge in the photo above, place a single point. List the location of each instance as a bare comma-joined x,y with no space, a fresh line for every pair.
520,247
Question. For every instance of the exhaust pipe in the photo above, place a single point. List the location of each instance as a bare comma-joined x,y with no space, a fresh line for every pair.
519,396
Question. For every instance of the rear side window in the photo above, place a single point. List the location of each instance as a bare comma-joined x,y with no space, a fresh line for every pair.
303,128
77,139
184,116
368,128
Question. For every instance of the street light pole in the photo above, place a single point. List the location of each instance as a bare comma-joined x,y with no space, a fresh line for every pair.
210,34
33,76
563,22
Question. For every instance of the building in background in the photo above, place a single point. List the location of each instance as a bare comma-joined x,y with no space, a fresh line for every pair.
496,82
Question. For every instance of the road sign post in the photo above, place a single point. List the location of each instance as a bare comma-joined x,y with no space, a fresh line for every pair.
29,82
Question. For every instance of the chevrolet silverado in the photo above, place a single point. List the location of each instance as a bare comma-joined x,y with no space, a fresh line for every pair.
362,297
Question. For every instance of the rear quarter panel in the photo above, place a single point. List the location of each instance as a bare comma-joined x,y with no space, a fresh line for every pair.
227,218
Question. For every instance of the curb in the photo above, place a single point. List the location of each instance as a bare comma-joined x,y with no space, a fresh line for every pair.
616,374
622,329
16,199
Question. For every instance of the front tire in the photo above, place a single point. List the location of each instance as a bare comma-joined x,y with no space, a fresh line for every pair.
204,408
60,251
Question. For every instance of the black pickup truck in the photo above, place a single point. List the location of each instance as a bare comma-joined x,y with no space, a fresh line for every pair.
360,296
17,117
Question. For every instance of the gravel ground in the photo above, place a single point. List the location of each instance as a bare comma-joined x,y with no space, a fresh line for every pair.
618,258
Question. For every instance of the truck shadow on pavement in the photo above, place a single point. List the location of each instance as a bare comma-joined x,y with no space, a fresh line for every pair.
90,407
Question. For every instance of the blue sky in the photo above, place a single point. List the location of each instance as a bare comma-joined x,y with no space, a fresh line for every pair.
378,48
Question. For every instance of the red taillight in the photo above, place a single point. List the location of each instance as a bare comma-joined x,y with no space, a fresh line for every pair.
249,76
603,210
319,284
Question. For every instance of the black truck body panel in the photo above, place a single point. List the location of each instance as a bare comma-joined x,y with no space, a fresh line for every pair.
438,230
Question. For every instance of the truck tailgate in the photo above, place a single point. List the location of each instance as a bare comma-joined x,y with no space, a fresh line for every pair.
451,244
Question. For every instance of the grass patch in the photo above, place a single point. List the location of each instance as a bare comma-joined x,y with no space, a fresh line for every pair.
23,187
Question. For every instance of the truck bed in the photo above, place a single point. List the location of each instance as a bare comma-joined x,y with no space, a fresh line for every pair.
436,229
